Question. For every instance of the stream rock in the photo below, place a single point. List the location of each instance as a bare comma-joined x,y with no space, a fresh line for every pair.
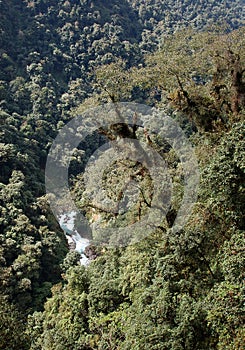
91,252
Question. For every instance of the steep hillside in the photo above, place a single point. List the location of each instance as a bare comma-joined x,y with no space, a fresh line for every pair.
58,58
160,17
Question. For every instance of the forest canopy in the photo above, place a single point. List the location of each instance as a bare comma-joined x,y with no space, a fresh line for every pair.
168,291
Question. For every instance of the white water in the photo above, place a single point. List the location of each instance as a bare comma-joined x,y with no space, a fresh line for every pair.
66,222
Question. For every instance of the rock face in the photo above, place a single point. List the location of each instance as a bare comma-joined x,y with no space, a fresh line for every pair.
71,242
91,252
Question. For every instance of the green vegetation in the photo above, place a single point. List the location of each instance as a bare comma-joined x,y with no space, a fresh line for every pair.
169,291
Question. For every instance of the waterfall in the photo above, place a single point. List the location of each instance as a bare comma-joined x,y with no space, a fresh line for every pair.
67,223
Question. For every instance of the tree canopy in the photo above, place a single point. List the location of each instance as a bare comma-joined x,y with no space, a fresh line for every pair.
173,291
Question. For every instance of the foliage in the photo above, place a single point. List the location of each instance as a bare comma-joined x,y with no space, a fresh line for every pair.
173,292
12,327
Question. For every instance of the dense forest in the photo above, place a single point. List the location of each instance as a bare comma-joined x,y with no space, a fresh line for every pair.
179,290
